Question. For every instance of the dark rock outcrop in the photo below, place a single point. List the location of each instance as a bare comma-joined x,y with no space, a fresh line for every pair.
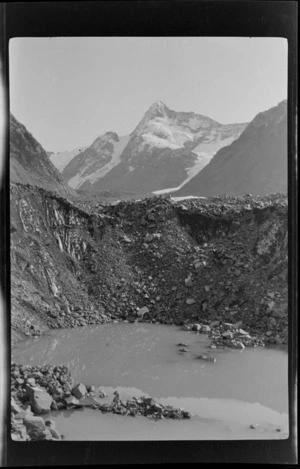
30,163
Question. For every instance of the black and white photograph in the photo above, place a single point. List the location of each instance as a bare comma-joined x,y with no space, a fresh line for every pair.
149,262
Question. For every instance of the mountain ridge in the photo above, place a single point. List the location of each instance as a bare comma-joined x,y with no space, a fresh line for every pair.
30,163
161,152
255,162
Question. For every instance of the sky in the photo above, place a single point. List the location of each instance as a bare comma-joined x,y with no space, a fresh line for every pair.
68,91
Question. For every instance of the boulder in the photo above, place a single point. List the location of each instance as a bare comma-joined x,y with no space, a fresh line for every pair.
238,324
35,427
190,301
271,323
79,390
19,433
71,400
214,324
14,406
242,332
188,281
227,335
280,312
205,328
89,401
148,238
41,402
196,327
141,311
228,326
19,381
30,381
30,390
54,433
240,345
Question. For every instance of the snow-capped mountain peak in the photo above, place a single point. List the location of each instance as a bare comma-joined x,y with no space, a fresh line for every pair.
165,150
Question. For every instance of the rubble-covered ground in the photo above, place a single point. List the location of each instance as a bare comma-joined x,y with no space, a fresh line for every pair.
216,266
215,261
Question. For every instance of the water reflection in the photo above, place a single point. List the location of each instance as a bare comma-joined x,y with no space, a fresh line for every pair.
250,385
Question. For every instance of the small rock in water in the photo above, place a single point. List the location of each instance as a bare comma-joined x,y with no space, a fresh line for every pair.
207,358
182,344
182,350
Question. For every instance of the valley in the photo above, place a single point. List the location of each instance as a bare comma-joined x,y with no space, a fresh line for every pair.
123,245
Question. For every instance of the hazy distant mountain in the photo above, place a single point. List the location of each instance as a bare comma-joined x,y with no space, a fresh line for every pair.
254,163
62,158
29,162
166,149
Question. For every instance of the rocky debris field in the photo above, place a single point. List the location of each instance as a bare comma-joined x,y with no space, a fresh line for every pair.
227,335
196,261
38,390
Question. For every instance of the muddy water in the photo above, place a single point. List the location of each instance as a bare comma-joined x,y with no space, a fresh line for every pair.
240,388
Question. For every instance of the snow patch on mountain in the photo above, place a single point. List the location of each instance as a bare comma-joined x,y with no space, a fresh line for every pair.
79,179
204,152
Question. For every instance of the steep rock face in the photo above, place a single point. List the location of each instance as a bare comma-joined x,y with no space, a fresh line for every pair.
62,158
97,160
30,164
72,266
254,163
166,149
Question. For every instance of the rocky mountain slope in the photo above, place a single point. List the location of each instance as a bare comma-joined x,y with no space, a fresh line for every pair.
30,164
62,158
211,259
166,149
256,162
